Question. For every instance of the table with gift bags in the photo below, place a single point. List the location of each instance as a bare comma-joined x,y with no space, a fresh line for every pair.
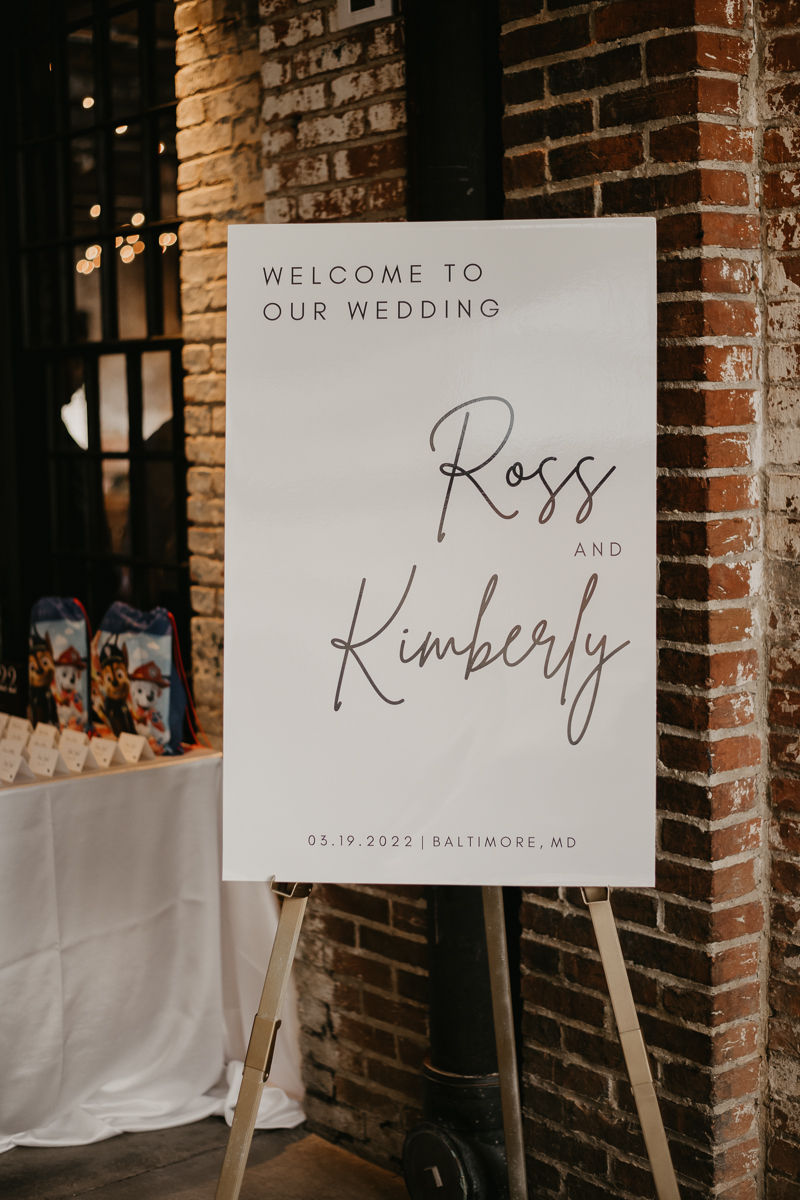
129,976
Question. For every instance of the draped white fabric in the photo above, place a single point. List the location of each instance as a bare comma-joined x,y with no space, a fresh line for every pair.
112,940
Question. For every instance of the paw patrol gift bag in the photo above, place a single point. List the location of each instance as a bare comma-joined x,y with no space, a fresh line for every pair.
58,663
137,682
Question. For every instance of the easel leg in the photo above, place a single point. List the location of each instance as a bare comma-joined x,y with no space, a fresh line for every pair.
632,1042
258,1060
504,1032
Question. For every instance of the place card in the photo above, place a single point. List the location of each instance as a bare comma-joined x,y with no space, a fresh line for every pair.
13,767
16,744
73,737
47,761
106,752
77,757
44,735
135,747
19,726
4,718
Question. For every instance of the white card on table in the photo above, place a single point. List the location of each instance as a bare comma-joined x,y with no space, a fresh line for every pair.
13,767
44,735
106,752
77,757
135,747
15,744
47,761
19,727
4,718
73,737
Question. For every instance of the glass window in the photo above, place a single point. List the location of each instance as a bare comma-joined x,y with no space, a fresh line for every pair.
113,378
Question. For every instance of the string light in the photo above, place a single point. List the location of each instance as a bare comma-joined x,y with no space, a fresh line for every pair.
93,252
138,248
126,254
88,101
167,239
94,211
118,242
137,219
120,128
132,239
161,147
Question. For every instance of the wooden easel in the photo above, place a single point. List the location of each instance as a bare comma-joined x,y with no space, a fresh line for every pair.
267,1022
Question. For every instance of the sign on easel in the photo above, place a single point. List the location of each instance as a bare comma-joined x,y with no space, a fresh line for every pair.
440,547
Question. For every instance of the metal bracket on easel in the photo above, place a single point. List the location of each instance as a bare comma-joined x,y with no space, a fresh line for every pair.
258,1060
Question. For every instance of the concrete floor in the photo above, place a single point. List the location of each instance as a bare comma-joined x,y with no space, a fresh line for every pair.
184,1164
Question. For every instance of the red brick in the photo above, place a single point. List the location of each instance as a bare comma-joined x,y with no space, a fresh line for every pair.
775,14
781,145
366,969
783,54
697,141
692,841
696,581
720,493
784,708
523,170
626,18
707,318
705,274
389,945
394,1012
785,876
387,194
407,1083
367,1037
709,758
544,39
708,925
367,1099
689,406
670,98
702,712
685,230
710,364
701,538
708,803
696,626
689,51
717,1088
714,1010
784,750
782,189
707,670
595,157
786,794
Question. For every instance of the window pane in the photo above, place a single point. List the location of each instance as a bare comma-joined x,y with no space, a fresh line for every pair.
157,400
113,404
131,287
80,78
72,429
40,211
37,80
86,276
170,274
168,166
72,503
85,195
124,61
165,51
162,542
128,175
77,9
41,276
117,503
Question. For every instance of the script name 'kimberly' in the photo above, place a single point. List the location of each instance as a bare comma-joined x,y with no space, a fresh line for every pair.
479,654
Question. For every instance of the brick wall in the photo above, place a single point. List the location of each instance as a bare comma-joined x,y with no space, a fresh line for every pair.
334,110
646,108
781,222
219,181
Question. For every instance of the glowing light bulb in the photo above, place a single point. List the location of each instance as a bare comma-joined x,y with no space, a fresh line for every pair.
137,219
118,242
94,211
88,101
161,147
126,254
132,239
121,129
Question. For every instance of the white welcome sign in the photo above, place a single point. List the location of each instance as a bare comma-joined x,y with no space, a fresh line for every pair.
440,553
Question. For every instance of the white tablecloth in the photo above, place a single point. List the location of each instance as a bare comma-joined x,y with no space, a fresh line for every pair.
114,1013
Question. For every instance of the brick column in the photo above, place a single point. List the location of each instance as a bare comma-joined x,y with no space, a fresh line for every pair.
633,108
219,181
778,97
